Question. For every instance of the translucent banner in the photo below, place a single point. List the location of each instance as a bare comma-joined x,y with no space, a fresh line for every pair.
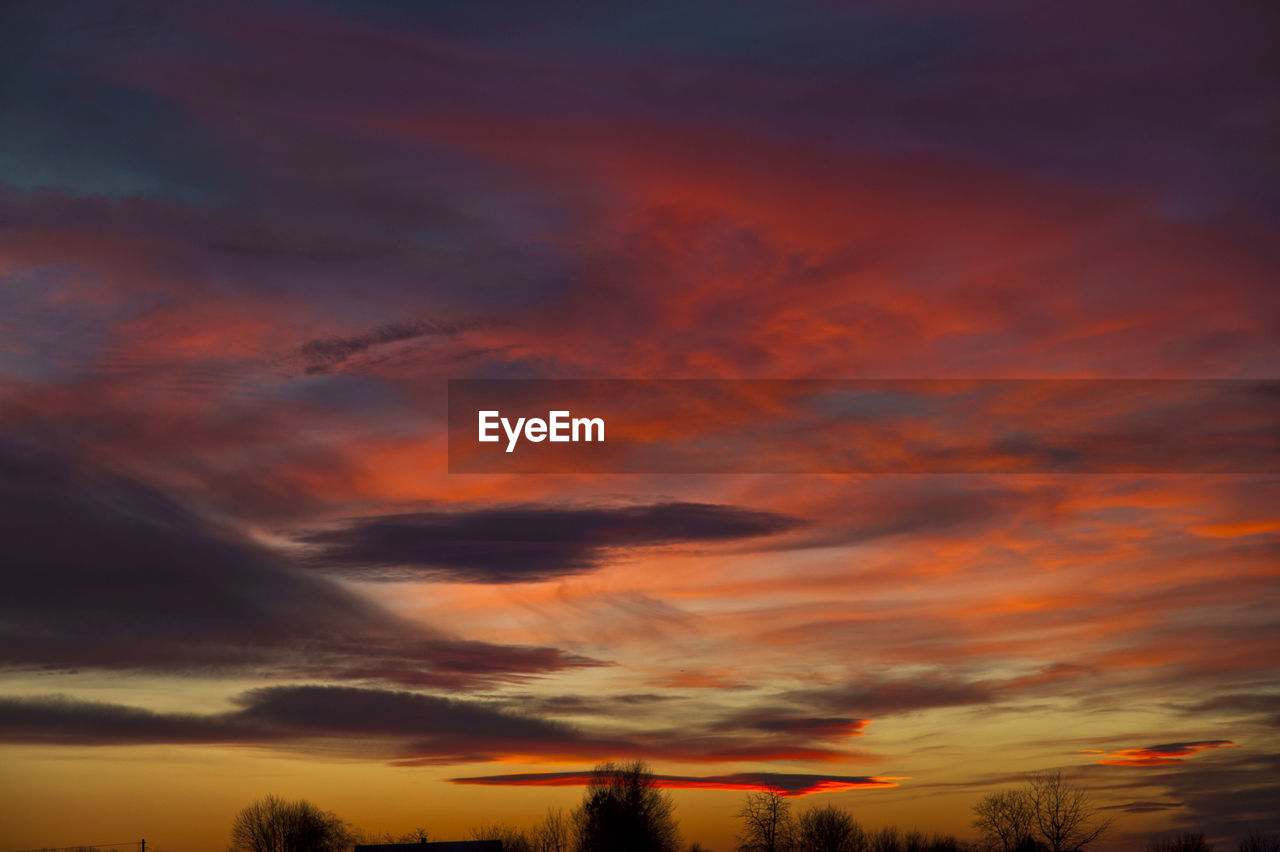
864,426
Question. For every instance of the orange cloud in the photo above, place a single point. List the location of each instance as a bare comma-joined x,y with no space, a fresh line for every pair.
1160,755
785,783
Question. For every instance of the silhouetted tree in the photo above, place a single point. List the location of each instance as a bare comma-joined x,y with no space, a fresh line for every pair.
273,824
1258,842
945,843
1046,814
1184,842
1005,820
1064,816
915,841
829,829
513,839
766,823
887,839
372,838
553,834
623,810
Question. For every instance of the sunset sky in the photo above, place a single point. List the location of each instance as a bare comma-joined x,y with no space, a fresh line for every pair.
244,247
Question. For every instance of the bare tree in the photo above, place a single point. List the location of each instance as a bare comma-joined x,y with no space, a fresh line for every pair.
1184,842
273,824
513,839
624,810
887,839
914,841
829,829
1258,842
890,839
766,823
554,833
1063,814
1006,820
945,843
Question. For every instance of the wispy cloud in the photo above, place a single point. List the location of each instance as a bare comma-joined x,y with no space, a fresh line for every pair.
788,784
398,727
326,354
1160,755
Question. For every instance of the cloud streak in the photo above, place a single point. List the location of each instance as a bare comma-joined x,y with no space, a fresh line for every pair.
326,354
526,543
1161,755
406,729
788,784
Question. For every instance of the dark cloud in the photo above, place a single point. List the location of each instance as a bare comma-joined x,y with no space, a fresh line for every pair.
1225,796
368,723
1142,807
60,720
325,354
414,727
789,784
101,572
525,543
808,727
403,728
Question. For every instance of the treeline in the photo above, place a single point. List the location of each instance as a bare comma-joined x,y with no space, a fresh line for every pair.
624,810
1048,814
768,824
1191,842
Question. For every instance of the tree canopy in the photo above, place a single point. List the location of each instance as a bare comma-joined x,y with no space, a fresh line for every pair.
273,824
624,810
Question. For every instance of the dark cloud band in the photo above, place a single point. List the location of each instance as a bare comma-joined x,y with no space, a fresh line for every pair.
525,543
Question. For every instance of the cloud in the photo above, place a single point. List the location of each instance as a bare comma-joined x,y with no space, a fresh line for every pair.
943,508
789,784
1262,704
61,720
1225,798
1142,807
325,354
102,572
399,727
364,723
404,725
808,727
525,543
880,697
1159,755
599,705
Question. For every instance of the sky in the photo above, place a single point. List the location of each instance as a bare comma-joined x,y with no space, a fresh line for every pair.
244,246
